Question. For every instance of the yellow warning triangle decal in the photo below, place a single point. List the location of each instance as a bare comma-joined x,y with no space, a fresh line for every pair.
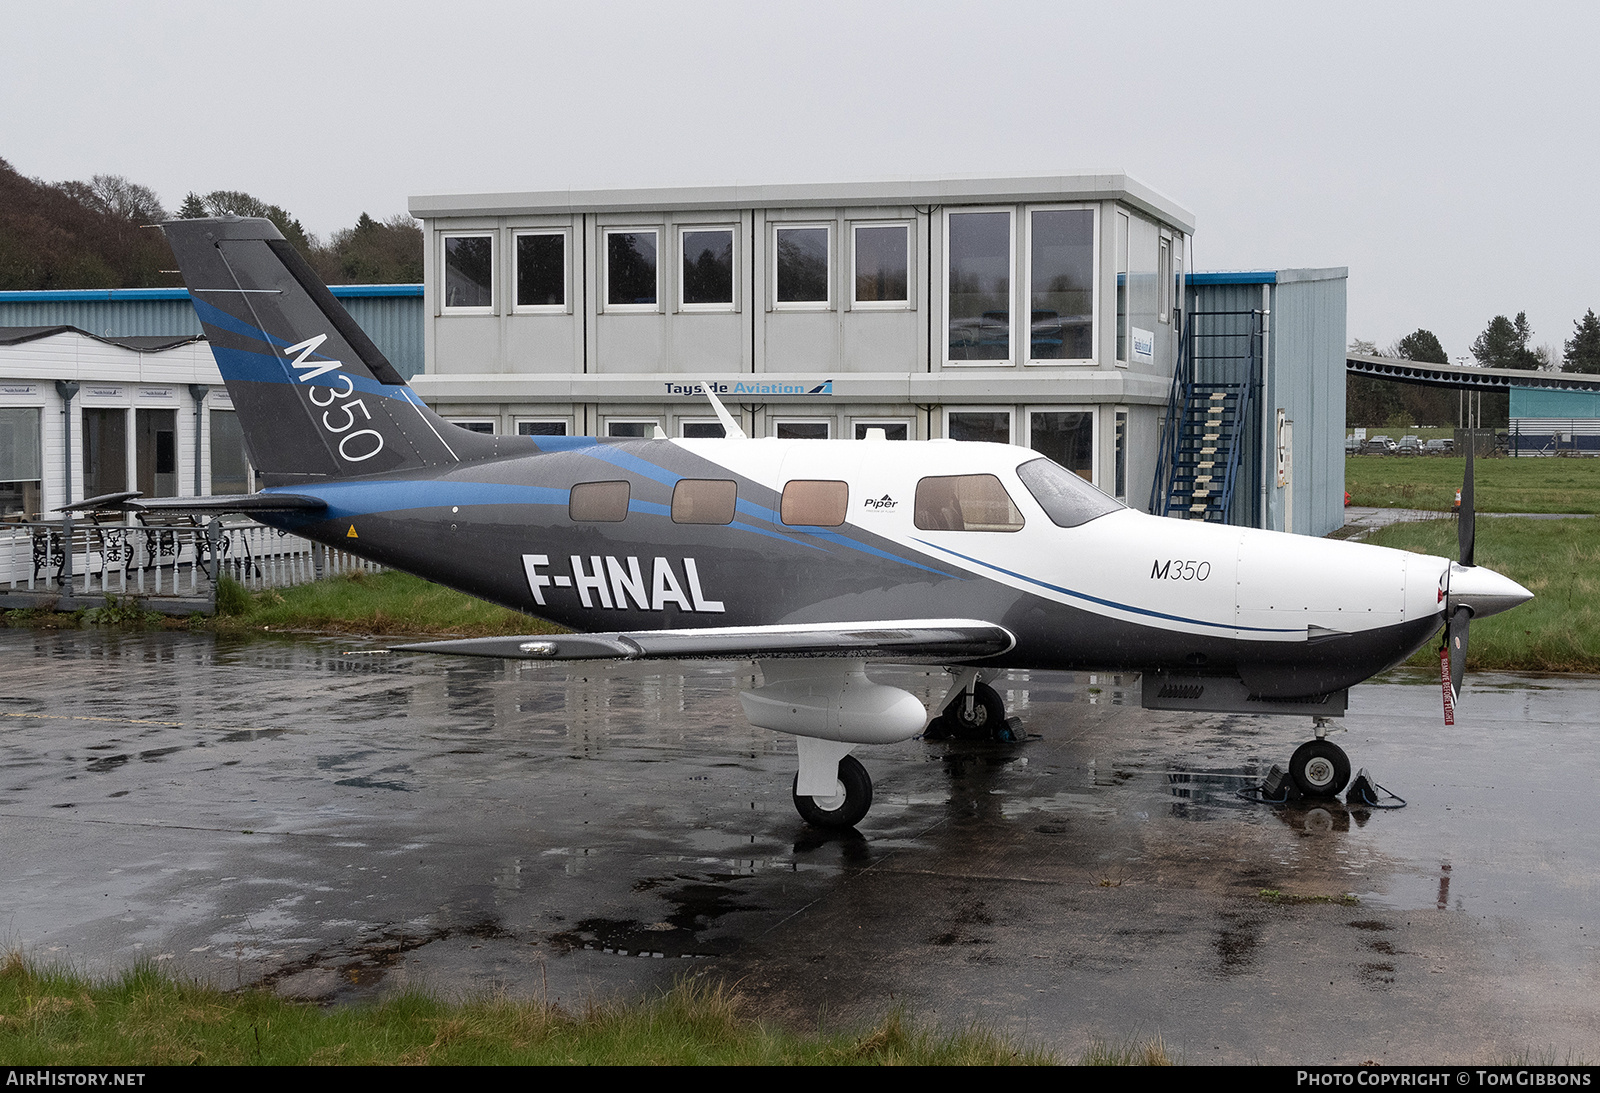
351,534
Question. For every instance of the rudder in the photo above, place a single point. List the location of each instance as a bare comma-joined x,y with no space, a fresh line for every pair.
316,399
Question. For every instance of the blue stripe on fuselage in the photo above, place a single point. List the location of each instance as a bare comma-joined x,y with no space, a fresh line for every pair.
1110,603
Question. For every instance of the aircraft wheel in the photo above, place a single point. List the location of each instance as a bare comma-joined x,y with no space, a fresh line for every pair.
1320,768
988,714
844,809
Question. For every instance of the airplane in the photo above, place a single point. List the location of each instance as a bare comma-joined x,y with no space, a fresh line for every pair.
812,558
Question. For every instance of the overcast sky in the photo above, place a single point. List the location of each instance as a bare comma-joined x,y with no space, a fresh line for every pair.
1445,153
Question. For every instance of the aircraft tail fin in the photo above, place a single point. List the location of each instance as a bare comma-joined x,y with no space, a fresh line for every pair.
315,397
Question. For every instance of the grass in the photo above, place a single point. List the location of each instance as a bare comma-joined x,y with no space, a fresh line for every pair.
144,1017
356,603
1499,484
1557,560
366,603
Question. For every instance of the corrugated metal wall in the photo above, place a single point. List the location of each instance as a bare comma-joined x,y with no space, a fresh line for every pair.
1305,377
390,314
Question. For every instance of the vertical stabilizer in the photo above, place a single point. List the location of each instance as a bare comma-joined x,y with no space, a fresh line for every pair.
316,399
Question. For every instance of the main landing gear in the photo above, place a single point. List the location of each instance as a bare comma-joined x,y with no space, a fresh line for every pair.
973,710
844,808
1320,767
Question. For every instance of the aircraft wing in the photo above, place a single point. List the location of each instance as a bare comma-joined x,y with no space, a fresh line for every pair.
132,501
934,640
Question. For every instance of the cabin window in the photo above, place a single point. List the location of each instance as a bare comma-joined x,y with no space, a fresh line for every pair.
882,260
815,504
541,273
704,501
598,502
1066,498
469,272
965,502
631,270
800,267
707,269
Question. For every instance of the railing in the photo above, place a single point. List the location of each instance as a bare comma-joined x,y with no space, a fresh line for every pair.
177,560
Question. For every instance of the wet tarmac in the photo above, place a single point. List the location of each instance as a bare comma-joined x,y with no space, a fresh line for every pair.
340,825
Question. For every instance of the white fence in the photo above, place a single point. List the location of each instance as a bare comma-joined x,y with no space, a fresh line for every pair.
162,560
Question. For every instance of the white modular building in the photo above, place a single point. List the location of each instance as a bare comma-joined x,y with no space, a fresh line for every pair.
1045,312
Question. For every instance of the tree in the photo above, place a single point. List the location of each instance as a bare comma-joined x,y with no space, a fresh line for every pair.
373,252
193,208
1583,348
239,203
118,197
1504,344
1420,345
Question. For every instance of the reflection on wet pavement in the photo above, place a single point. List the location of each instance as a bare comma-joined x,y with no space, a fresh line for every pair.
332,823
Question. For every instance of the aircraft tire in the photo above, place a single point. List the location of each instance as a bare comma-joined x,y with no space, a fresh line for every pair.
1320,768
844,810
988,715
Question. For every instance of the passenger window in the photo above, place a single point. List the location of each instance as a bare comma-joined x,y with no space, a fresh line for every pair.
815,504
598,502
703,501
965,502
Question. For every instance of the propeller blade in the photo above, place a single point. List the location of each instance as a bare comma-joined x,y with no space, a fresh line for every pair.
1466,529
1457,638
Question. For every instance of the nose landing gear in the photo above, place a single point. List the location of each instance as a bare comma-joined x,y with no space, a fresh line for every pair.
1320,768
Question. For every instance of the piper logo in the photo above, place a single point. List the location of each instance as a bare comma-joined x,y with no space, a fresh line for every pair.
618,584
884,502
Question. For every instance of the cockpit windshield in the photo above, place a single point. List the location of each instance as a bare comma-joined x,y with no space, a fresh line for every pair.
1067,499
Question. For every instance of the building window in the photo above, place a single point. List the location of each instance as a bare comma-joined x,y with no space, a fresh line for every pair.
707,269
1164,279
1120,417
1066,436
473,425
704,501
469,272
21,461
984,426
978,286
881,258
701,429
892,430
631,270
105,451
814,504
802,430
230,467
634,428
1122,288
541,273
1061,274
800,267
598,502
542,427
966,502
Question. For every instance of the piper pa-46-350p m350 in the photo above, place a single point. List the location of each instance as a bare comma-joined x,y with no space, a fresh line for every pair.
809,557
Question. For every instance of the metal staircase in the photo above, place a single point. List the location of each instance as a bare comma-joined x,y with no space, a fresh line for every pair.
1207,423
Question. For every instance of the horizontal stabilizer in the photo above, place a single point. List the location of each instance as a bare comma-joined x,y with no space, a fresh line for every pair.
936,640
133,501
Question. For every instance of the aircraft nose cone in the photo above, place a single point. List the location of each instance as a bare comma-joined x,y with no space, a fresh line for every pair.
1483,591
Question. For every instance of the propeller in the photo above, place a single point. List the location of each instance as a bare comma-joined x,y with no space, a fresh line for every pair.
1453,653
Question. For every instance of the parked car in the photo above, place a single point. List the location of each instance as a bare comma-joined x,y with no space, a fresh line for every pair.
1352,446
1438,447
1409,445
1379,445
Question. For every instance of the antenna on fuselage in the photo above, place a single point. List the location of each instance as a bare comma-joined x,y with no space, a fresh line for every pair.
730,427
